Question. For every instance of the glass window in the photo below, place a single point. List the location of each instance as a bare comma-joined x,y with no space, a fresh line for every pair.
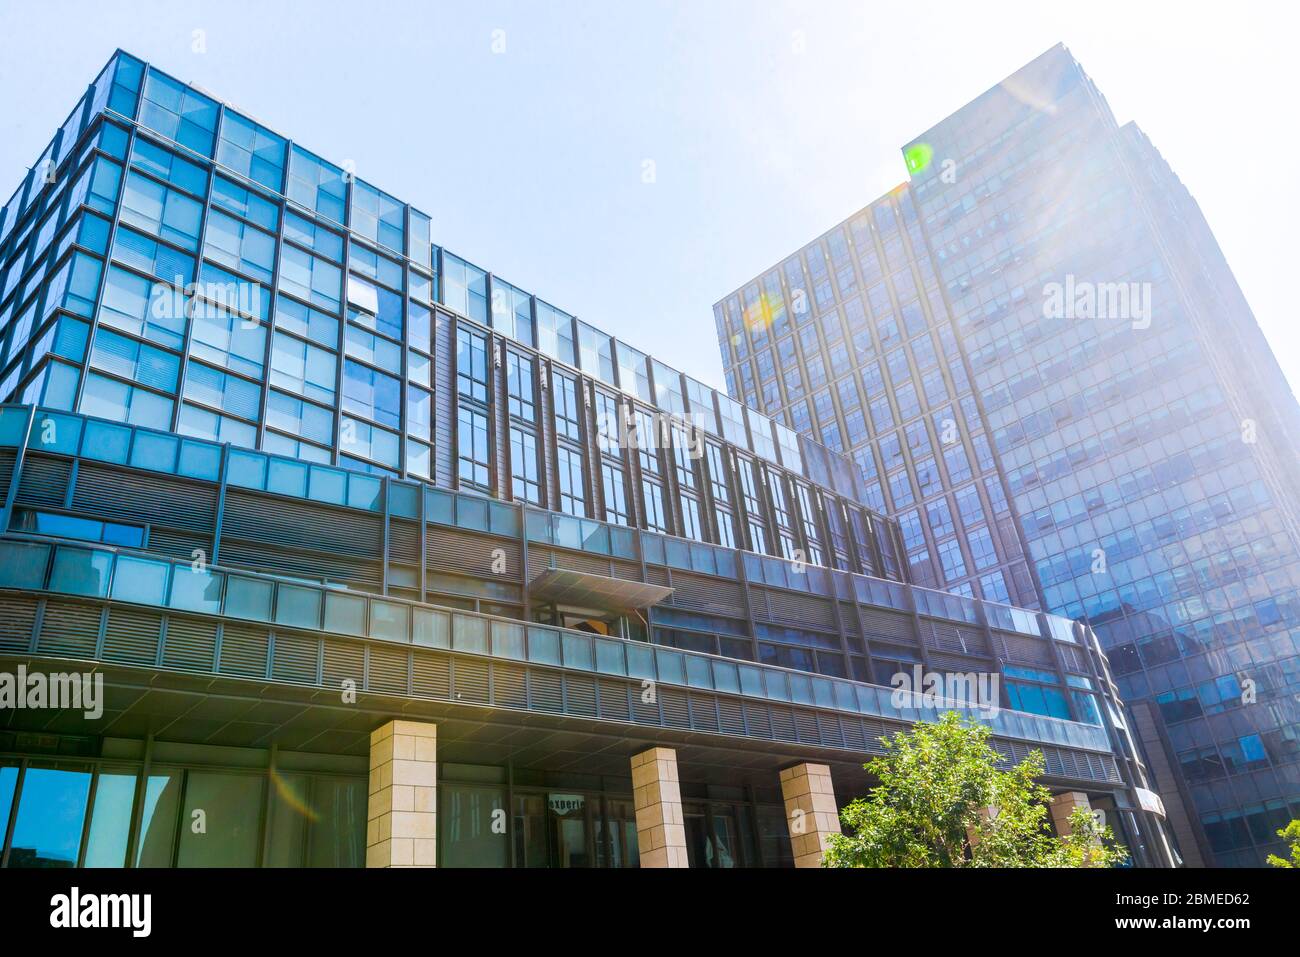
222,391
310,278
110,820
430,628
228,340
468,835
204,423
523,465
161,262
596,353
162,212
419,413
371,393
733,421
134,360
50,817
389,621
302,368
251,149
158,819
303,231
241,247
248,598
633,372
568,414
614,483
22,564
316,184
378,216
568,466
345,614
373,265
245,203
140,580
512,311
166,165
653,496
473,445
80,571
143,308
418,244
469,634
375,307
465,288
519,386
221,820
701,399
555,333
179,112
298,607
196,590
609,423
472,364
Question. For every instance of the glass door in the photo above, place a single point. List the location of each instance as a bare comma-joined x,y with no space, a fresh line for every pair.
552,829
568,830
616,835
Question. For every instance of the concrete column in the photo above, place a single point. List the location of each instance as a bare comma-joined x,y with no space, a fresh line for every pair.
810,811
660,828
986,815
402,818
1063,806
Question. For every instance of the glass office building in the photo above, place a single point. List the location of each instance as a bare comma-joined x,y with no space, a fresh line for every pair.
325,505
1040,361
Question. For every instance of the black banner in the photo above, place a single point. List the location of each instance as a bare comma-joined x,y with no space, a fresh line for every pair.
215,906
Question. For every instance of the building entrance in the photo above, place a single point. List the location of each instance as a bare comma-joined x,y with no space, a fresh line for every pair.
553,829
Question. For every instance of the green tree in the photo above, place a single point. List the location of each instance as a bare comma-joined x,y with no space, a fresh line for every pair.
942,801
1290,833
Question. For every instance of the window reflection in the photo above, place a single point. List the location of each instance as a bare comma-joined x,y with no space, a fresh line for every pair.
51,814
110,821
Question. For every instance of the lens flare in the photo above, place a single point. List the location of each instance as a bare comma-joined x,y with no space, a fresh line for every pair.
758,315
918,156
292,799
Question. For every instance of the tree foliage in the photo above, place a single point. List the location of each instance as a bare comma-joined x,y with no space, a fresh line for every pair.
942,801
1291,834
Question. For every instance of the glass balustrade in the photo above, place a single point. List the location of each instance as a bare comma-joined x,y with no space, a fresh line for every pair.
123,575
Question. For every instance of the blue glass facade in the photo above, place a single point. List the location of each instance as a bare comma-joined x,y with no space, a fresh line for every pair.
1140,473
220,348
171,263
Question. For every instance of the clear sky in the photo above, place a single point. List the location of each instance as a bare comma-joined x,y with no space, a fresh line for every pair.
524,128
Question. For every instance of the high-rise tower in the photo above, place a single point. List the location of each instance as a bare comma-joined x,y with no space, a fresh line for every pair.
1045,371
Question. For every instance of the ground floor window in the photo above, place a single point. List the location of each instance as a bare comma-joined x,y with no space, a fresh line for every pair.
50,813
472,826
101,813
572,827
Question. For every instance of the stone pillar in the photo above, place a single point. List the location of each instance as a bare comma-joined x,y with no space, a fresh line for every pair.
986,814
402,816
660,828
810,811
1063,806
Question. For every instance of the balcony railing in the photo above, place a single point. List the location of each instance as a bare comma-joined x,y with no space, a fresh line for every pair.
136,447
30,563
